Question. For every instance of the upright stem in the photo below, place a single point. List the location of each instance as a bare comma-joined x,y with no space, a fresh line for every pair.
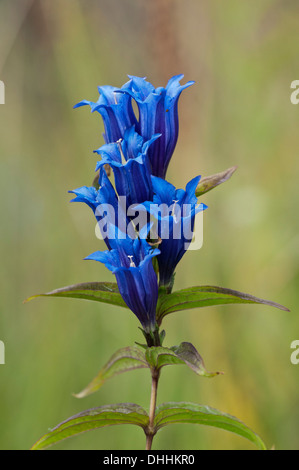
150,431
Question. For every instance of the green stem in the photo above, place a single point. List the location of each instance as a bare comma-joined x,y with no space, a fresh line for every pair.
152,337
150,430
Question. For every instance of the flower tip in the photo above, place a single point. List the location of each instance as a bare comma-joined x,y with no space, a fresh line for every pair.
72,192
190,83
131,77
89,257
81,103
177,78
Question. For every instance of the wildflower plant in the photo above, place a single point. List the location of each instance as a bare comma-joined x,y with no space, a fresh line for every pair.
143,252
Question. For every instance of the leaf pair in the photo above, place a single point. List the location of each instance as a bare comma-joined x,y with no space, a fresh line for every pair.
128,413
192,297
131,358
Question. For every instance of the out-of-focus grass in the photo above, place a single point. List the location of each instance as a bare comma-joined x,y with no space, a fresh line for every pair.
243,57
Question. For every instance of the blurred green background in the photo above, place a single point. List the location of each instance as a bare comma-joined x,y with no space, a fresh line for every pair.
243,57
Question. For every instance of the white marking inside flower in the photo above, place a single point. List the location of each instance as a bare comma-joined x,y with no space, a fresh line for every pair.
115,99
173,209
132,264
123,159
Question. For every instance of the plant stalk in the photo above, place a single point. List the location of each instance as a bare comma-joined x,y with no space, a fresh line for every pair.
150,431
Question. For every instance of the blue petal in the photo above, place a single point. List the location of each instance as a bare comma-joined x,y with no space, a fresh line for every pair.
83,103
140,88
108,258
132,143
164,190
85,194
174,88
110,152
192,185
107,94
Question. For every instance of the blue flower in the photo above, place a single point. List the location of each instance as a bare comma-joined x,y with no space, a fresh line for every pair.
115,109
158,114
109,210
129,161
131,262
174,210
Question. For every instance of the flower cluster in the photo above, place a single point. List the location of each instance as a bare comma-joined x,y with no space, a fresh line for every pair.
142,252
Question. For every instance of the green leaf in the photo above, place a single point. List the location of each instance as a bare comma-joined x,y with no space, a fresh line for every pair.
108,415
184,354
191,357
171,413
205,296
158,357
106,292
123,360
210,182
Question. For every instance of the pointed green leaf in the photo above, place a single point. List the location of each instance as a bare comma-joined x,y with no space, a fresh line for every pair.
106,292
204,296
185,353
123,360
108,415
209,182
158,357
191,357
170,413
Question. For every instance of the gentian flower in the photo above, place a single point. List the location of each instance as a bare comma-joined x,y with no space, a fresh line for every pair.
130,163
131,262
158,114
116,110
174,210
108,209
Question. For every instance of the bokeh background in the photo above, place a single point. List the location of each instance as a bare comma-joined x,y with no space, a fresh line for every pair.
243,57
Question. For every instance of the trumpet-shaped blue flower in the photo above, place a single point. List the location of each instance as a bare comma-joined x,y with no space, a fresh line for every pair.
116,110
131,262
174,210
158,114
109,210
129,161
